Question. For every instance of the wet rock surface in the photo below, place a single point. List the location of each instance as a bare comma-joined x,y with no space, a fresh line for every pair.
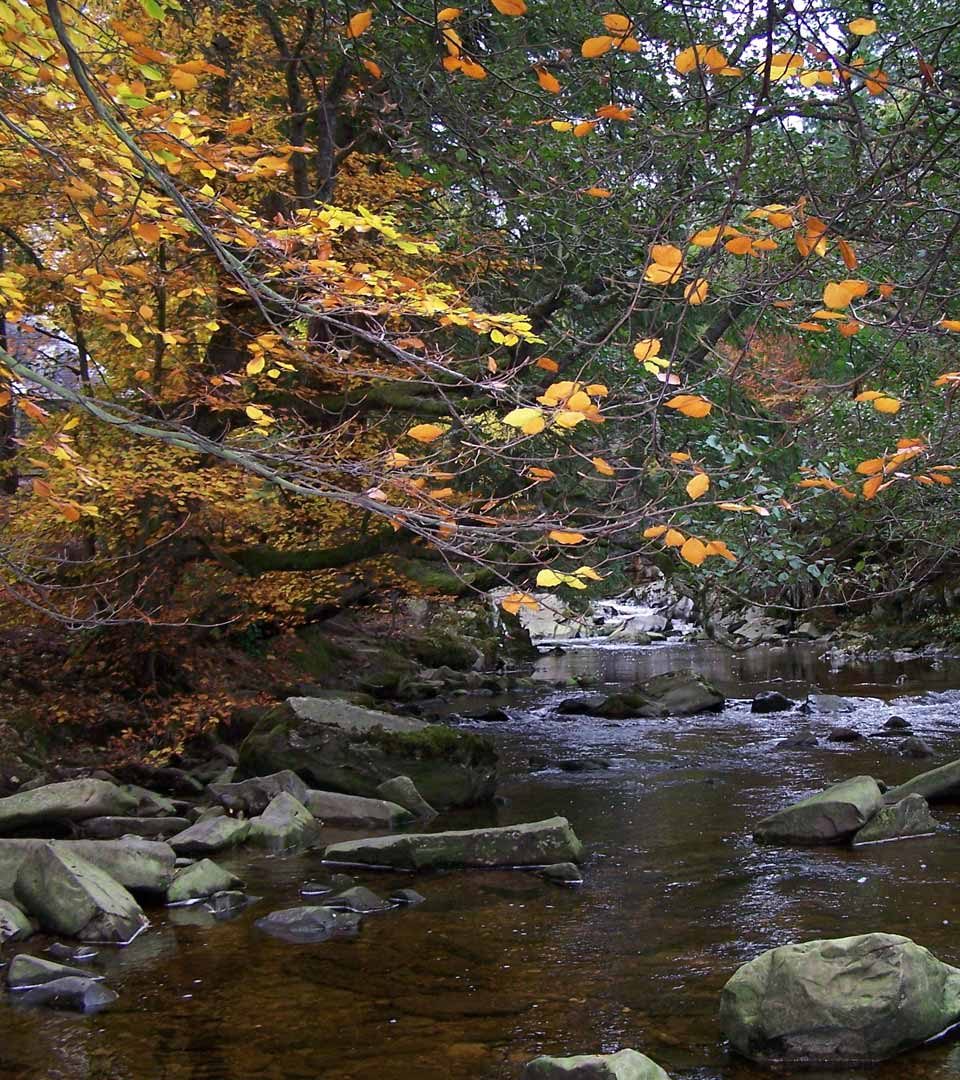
624,1065
826,817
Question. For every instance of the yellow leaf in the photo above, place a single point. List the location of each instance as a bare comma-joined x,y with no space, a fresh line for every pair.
848,329
666,255
674,538
706,237
359,23
646,348
654,531
587,572
513,602
868,395
602,467
256,365
547,579
183,80
836,294
870,467
679,456
739,245
696,291
569,419
596,46
548,81
886,405
530,421
561,537
616,24
510,7
541,474
598,192
698,486
658,274
448,14
947,324
694,551
548,364
584,128
561,125
848,255
425,433
862,27
871,486
690,405
718,547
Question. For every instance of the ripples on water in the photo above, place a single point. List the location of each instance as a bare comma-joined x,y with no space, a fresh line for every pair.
499,966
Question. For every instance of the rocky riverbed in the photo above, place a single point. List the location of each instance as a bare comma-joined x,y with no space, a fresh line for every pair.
496,966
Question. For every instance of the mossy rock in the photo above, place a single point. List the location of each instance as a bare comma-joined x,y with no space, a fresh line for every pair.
336,746
447,650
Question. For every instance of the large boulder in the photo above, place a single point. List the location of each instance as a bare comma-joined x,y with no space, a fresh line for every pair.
14,925
770,701
211,835
55,804
199,880
285,823
908,817
842,1002
251,797
332,808
336,746
142,866
403,791
536,843
675,693
624,1065
942,783
68,895
26,971
829,817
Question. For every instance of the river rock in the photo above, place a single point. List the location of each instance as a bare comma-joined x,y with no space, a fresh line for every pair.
251,797
896,723
676,693
54,804
844,1001
828,817
285,823
407,897
77,992
770,701
535,843
942,783
145,866
915,747
112,828
230,902
358,899
200,880
802,740
14,925
332,808
150,804
403,791
563,873
336,746
310,923
624,1065
908,817
26,971
212,835
68,895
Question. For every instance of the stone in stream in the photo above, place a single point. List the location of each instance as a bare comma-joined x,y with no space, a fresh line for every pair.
802,740
212,835
844,1001
200,880
55,804
285,823
407,897
534,843
676,693
844,734
359,899
26,970
403,791
908,817
334,883
227,904
14,925
251,797
150,804
942,783
151,828
583,764
897,723
564,873
336,746
68,895
332,808
308,924
770,701
828,817
624,1065
80,993
78,954
915,747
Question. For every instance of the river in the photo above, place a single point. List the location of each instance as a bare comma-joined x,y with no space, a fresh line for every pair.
497,967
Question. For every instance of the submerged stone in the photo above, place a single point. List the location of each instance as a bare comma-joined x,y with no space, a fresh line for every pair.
828,817
80,993
359,899
310,923
564,873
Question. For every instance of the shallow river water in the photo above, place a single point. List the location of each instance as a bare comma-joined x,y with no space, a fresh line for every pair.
497,967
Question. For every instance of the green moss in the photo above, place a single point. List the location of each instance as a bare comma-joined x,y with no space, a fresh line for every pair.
436,741
445,650
318,656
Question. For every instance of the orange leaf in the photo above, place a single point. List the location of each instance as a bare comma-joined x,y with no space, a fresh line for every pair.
548,81
596,46
561,537
359,22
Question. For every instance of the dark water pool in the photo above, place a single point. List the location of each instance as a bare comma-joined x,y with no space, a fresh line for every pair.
499,966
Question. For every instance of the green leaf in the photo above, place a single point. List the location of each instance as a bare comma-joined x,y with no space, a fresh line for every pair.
154,9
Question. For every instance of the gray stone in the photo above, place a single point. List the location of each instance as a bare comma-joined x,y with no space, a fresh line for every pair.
915,747
802,740
212,835
675,693
336,746
844,734
68,895
285,823
112,828
308,924
845,1001
563,873
26,970
771,701
407,897
200,880
908,817
150,804
72,800
896,723
359,899
251,797
941,783
532,844
402,791
225,905
78,992
828,817
14,925
624,1065
332,808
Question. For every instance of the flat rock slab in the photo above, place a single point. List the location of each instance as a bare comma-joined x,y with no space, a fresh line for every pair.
531,844
624,1065
310,923
332,808
845,1001
26,970
210,836
68,895
829,817
77,992
151,828
200,880
72,800
908,817
942,783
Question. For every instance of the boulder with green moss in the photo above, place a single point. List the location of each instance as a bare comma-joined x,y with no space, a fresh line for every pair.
675,693
336,746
